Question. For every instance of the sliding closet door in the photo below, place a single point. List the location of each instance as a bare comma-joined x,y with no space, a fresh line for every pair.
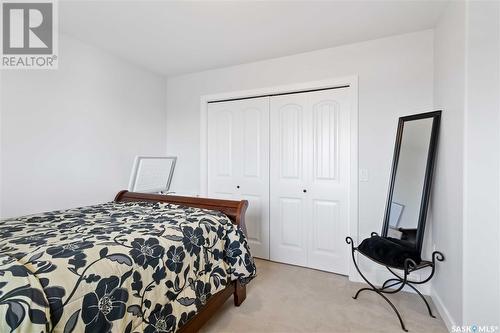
328,191
253,157
310,179
290,155
238,162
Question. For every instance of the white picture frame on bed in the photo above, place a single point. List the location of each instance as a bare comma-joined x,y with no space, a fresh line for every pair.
152,174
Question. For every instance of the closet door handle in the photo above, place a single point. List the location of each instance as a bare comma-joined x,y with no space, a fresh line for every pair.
304,190
237,186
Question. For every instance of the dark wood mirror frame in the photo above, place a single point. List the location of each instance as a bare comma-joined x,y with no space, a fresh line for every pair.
429,170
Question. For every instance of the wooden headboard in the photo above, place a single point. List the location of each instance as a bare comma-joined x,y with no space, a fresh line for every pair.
235,210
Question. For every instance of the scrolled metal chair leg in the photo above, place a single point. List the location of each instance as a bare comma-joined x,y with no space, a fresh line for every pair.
423,298
350,241
384,287
401,322
387,286
359,291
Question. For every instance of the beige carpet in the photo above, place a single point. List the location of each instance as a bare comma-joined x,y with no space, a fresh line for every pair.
284,298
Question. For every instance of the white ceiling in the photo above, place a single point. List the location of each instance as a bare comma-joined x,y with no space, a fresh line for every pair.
178,37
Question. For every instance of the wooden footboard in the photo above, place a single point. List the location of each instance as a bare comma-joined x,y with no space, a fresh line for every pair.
235,210
213,304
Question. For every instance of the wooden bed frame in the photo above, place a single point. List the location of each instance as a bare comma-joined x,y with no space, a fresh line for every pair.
235,210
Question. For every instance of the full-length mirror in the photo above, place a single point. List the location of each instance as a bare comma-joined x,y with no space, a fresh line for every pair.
411,176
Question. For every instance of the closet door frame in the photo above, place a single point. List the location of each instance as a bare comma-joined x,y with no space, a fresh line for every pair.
348,81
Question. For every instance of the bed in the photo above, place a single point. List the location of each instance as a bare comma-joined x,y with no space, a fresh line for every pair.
142,263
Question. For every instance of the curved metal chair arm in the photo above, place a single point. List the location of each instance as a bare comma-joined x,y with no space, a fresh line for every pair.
436,255
350,241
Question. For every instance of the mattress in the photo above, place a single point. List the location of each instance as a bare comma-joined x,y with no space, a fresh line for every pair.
116,267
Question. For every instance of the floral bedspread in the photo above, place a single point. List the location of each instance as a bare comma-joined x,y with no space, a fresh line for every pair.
120,267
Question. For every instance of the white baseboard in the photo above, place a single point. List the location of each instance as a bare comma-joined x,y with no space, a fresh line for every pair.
443,311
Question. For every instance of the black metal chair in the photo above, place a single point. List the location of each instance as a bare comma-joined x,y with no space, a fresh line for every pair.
397,283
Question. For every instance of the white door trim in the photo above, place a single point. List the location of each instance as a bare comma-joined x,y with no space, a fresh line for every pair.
351,81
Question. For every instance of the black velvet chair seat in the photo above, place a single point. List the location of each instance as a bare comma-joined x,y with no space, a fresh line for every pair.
389,251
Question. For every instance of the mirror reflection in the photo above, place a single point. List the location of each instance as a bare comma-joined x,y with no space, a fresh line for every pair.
408,188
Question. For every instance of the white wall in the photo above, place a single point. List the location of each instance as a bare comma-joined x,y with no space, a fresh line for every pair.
395,78
465,207
447,199
481,284
69,136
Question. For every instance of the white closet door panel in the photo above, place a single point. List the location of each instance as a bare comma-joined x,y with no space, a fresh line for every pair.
246,129
326,144
287,230
328,190
222,168
290,119
288,170
254,173
257,223
253,128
